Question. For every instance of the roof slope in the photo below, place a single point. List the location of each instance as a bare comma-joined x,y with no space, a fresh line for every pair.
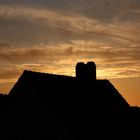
60,91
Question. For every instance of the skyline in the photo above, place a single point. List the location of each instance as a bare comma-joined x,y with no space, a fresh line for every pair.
51,36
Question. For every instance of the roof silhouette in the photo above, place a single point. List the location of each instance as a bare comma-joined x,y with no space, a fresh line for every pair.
58,89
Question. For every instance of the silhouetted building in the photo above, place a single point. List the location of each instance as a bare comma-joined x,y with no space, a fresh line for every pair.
71,91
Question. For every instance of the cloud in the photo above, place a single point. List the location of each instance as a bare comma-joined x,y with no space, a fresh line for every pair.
61,58
104,10
52,36
51,25
20,54
9,72
52,18
100,9
23,53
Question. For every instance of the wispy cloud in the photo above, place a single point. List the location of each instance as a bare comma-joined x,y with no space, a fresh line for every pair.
19,54
77,25
116,61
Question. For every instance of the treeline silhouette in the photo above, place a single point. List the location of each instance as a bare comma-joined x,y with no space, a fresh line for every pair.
46,106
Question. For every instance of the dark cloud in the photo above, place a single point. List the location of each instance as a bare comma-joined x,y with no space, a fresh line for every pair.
22,23
20,54
100,9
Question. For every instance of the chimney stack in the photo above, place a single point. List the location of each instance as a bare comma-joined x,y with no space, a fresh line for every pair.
81,71
86,72
91,71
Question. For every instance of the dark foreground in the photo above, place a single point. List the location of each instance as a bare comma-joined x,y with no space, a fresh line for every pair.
45,106
35,118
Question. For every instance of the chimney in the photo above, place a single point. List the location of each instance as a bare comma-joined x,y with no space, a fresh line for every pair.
81,71
86,72
91,71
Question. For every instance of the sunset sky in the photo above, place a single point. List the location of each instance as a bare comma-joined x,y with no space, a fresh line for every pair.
53,35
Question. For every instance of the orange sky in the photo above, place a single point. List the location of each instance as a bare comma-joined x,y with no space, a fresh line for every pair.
129,89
